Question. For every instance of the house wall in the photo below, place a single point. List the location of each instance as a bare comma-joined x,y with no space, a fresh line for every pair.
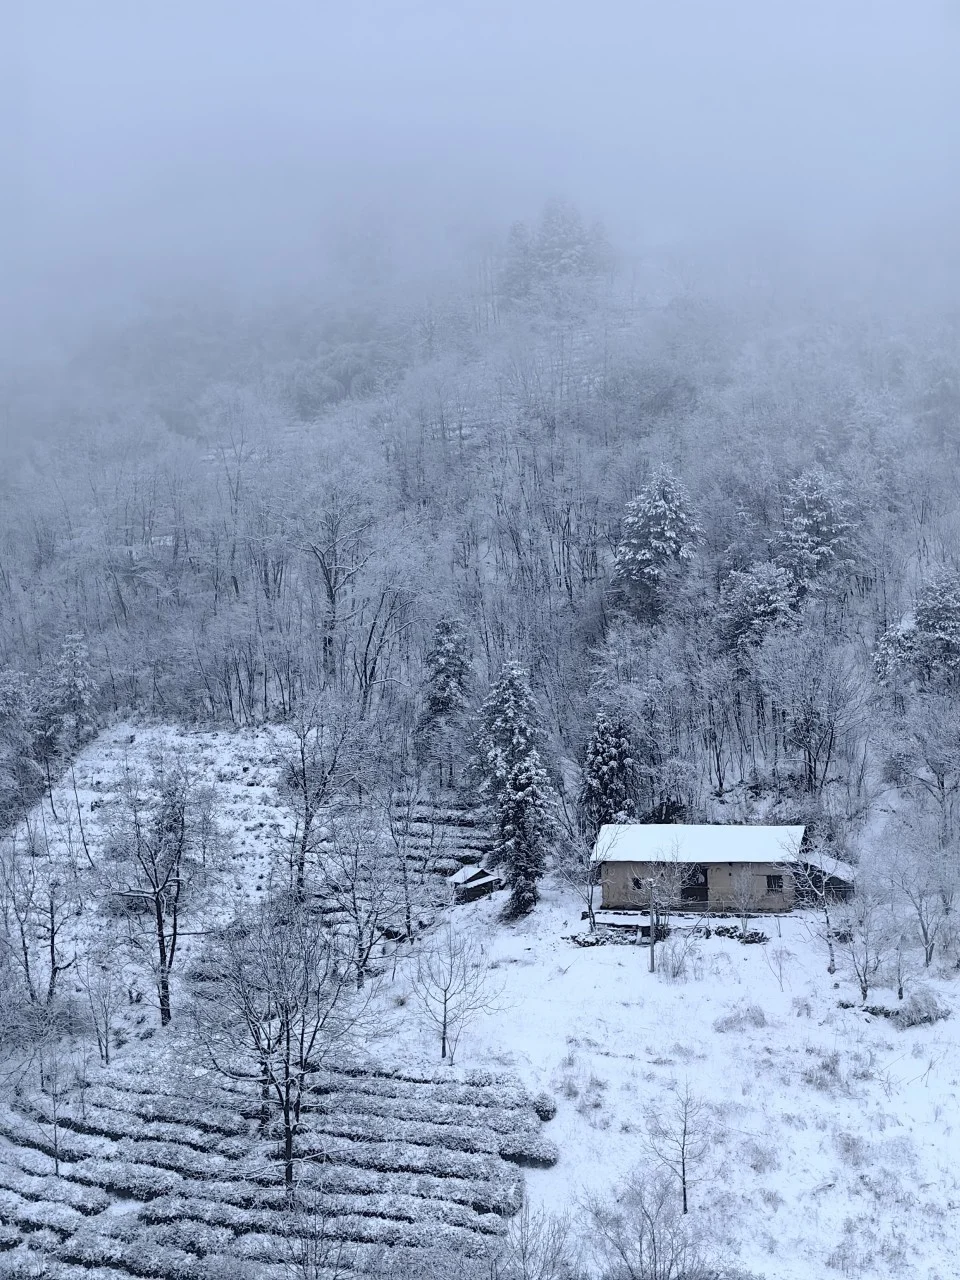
618,891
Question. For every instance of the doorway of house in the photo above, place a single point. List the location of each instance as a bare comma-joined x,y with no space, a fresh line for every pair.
695,891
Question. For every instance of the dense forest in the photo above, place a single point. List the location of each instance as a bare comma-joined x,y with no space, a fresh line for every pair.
728,521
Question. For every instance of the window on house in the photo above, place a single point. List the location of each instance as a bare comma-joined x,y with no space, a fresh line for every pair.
774,884
637,882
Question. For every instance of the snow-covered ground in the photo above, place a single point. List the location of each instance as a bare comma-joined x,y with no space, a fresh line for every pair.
833,1134
834,1146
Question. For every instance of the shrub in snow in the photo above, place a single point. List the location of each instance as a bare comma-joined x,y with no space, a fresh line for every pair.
851,1148
54,1217
126,1178
538,1154
680,959
824,1074
9,1237
759,1157
920,1007
501,1196
545,1106
460,1114
193,1237
407,1157
740,1017
142,1257
87,1200
520,1142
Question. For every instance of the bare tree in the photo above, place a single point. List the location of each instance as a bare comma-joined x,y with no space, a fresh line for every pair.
811,878
274,1004
679,1134
39,903
323,762
864,938
315,1248
361,887
339,536
163,847
662,887
56,1079
417,842
451,984
100,972
816,697
641,1235
538,1246
742,893
574,858
922,875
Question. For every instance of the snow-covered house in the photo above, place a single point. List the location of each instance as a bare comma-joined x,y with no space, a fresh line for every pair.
473,882
710,868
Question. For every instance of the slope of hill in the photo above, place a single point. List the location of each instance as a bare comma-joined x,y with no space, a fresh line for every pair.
829,1131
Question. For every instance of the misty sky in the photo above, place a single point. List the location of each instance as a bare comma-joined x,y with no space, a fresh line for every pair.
151,140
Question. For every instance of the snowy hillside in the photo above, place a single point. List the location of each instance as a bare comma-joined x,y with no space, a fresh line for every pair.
828,1133
832,1133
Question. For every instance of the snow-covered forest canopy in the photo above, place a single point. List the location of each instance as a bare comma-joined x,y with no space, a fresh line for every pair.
730,522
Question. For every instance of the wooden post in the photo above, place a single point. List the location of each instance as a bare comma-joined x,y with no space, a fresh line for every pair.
653,927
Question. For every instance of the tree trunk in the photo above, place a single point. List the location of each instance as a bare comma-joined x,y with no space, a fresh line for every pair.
163,974
163,988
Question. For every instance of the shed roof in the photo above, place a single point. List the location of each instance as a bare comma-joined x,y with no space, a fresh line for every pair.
689,843
832,868
471,875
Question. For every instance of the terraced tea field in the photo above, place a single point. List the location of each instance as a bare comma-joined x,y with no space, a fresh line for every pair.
142,1175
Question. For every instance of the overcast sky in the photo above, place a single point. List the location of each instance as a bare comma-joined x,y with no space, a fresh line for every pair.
155,141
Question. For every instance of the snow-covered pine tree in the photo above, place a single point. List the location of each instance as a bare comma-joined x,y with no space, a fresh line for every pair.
755,601
658,536
607,790
924,649
73,691
441,728
509,730
524,827
817,534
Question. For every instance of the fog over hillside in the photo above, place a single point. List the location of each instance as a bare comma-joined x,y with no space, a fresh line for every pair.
454,458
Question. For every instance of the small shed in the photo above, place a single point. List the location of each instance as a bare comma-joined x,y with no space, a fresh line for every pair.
473,882
698,867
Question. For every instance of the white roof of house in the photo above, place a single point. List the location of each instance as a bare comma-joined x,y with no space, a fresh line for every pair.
676,842
471,875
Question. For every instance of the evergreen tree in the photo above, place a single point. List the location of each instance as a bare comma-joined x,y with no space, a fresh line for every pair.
658,536
925,648
607,792
524,828
755,601
73,691
509,730
448,671
817,535
560,247
441,728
